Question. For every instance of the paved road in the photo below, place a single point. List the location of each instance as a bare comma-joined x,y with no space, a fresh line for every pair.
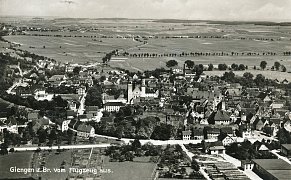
81,146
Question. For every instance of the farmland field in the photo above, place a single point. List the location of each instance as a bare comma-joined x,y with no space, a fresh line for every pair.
88,40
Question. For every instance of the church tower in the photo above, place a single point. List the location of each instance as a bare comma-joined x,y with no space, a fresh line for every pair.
129,92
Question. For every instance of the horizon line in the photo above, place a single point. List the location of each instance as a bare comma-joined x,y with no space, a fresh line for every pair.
176,19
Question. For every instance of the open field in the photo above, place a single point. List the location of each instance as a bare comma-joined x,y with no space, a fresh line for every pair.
124,170
141,64
71,49
19,159
87,42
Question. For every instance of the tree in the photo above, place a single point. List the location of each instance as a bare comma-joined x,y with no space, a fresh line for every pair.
129,156
190,64
76,70
210,67
198,69
222,67
241,67
234,67
171,63
283,68
136,144
248,75
195,165
228,76
263,65
260,80
277,65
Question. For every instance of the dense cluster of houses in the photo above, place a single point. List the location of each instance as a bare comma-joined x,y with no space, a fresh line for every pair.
204,108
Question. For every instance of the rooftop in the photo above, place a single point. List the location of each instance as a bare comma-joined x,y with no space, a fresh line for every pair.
273,164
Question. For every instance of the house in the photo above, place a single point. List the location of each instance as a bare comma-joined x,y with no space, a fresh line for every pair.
286,149
227,140
63,125
220,117
186,135
32,116
285,81
71,114
247,165
277,105
84,130
41,95
227,131
113,106
198,134
263,148
72,105
81,90
41,123
91,110
217,150
212,133
259,124
85,117
94,112
245,130
273,169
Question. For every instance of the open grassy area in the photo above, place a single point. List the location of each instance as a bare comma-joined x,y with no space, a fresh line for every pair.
18,159
128,170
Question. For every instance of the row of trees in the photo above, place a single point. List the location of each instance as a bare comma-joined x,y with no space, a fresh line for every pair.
222,67
192,54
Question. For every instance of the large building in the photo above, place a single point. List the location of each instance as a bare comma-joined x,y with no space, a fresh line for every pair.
135,91
272,169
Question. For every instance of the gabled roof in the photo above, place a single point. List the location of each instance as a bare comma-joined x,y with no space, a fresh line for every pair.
263,148
84,128
221,116
185,133
91,108
227,130
213,131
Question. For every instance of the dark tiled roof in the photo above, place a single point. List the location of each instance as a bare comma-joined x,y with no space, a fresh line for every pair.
84,128
221,116
114,104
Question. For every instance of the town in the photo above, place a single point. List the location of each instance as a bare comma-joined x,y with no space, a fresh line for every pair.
188,124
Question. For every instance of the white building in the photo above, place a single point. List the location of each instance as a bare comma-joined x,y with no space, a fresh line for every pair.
113,106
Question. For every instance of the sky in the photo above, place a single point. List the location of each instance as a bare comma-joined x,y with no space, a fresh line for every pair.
241,10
